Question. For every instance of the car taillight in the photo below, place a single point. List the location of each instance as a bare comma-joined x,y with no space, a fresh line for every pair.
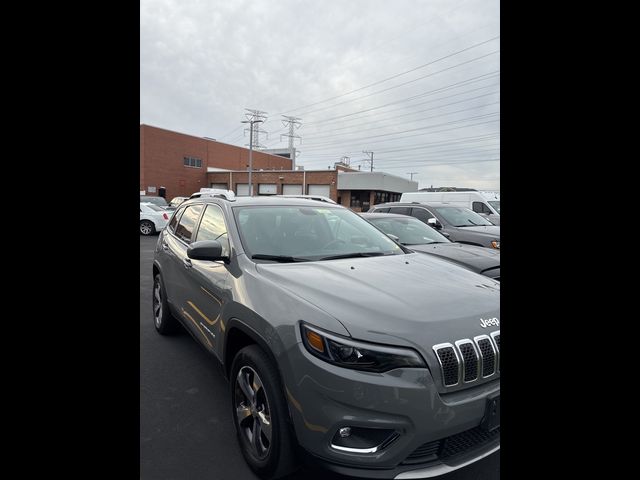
166,217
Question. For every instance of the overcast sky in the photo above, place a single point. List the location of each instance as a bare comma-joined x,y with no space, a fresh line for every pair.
416,82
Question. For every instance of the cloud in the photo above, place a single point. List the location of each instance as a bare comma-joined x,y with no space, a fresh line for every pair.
203,62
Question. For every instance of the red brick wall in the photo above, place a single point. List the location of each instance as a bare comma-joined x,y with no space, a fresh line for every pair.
329,177
161,160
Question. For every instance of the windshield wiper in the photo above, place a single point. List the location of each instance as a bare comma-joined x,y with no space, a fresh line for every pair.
278,258
355,255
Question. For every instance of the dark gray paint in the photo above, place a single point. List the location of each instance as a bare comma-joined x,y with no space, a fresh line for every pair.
410,300
480,235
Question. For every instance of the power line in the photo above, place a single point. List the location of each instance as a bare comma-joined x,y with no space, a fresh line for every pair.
390,78
401,84
360,139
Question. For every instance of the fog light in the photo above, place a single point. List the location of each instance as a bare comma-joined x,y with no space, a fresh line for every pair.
362,440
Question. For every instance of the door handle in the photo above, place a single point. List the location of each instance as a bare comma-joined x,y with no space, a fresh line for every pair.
187,263
165,247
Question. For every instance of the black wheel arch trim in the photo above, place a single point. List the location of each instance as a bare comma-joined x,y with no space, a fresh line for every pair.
236,323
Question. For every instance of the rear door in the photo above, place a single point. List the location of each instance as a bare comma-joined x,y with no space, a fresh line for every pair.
177,245
207,283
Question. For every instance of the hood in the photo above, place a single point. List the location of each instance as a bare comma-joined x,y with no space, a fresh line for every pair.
488,230
413,300
474,258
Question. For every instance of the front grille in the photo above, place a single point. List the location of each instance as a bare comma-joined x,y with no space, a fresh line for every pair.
424,453
488,355
449,447
467,441
468,360
448,362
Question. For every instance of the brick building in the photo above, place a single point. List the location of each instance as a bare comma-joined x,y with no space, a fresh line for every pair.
178,162
182,164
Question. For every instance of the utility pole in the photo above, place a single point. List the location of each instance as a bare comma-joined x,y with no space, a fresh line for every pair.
293,123
412,174
369,152
254,119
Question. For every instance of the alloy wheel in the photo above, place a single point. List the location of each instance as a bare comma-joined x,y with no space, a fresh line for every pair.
252,412
157,304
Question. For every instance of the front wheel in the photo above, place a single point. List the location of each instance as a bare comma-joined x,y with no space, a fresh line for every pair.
147,227
163,320
260,413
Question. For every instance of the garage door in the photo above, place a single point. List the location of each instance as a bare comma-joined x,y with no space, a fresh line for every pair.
323,190
292,189
242,189
221,186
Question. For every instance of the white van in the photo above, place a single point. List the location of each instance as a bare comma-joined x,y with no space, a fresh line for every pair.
475,201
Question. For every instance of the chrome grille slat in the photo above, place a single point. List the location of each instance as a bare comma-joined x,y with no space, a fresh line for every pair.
469,360
469,357
450,364
487,354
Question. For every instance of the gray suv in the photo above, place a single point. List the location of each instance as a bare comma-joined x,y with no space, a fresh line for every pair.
379,362
460,224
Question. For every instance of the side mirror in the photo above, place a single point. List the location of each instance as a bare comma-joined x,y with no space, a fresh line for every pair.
433,222
206,250
445,234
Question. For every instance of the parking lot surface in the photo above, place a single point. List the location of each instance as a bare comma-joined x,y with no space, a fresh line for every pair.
186,429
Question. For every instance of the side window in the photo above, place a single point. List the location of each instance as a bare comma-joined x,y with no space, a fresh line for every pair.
421,214
174,220
480,207
213,227
188,222
400,210
382,210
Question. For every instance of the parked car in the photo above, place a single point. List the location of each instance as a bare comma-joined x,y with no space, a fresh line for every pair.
318,198
419,237
175,201
475,201
378,361
159,201
152,218
461,224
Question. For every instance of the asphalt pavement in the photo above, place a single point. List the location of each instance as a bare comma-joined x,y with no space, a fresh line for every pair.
186,429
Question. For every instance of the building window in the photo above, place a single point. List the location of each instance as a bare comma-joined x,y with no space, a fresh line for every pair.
384,197
360,199
192,162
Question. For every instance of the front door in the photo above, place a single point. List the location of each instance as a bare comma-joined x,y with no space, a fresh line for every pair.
207,282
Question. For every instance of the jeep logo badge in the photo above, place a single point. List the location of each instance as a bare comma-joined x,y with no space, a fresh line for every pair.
489,322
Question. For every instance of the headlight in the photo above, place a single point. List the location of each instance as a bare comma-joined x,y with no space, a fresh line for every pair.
358,355
496,244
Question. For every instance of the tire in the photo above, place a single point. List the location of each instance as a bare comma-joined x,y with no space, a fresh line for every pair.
279,458
147,227
163,320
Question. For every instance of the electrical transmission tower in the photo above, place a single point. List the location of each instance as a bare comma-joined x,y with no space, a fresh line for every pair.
412,174
254,118
293,123
370,160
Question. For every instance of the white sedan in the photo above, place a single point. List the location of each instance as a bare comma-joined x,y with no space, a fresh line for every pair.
152,218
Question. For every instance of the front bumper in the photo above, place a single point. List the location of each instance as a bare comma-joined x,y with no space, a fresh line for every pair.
323,398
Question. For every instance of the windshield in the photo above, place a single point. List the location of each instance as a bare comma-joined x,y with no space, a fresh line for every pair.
409,230
307,233
155,200
461,217
495,204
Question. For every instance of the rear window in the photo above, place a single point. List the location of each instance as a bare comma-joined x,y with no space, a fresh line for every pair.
155,208
155,200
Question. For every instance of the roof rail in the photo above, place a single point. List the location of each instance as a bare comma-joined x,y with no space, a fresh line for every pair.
215,192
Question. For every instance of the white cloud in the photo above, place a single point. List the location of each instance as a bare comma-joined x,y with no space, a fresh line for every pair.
203,62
